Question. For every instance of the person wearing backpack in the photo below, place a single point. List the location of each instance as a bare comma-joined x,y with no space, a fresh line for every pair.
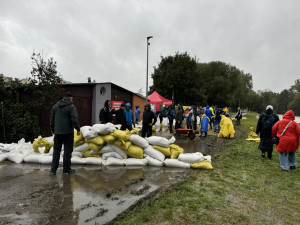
288,132
264,127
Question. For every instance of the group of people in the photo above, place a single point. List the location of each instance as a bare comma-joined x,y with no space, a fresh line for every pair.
284,133
209,116
125,117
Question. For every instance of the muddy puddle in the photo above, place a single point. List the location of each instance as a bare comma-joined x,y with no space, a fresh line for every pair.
94,195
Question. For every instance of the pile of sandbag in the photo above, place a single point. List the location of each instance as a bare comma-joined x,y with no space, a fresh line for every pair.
103,144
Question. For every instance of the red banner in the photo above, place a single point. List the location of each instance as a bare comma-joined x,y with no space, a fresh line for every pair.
116,105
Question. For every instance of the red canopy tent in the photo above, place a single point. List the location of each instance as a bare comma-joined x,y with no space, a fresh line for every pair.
157,99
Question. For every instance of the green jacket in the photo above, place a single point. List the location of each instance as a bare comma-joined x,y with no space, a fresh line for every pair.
64,117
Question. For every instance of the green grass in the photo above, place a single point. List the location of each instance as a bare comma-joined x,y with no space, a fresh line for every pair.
243,188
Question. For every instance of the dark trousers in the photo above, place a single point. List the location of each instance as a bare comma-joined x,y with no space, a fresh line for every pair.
129,127
177,124
171,124
211,122
68,141
238,121
189,126
146,130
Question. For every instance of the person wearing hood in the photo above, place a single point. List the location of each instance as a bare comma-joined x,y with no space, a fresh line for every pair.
209,114
178,116
171,114
289,140
129,116
204,125
105,115
137,114
149,119
120,117
63,121
264,127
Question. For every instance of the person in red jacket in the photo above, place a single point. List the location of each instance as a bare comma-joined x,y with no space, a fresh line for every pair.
289,141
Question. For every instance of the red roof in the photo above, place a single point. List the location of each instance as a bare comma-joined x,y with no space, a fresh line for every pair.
156,98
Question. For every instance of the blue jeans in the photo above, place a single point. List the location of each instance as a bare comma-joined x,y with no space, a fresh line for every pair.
217,126
287,160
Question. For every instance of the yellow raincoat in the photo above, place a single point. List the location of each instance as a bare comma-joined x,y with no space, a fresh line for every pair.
227,129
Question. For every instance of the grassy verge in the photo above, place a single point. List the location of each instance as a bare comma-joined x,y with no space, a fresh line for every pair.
243,188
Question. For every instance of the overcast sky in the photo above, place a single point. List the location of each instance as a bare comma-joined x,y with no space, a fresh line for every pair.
106,40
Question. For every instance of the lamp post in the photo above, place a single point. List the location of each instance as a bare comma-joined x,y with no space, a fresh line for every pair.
148,38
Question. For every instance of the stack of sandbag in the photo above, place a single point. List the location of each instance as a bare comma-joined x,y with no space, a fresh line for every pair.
103,144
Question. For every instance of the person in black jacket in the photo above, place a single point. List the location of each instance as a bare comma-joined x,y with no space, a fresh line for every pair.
238,116
264,127
171,116
121,118
105,115
148,122
63,120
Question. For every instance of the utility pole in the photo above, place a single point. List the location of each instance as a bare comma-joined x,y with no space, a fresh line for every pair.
147,67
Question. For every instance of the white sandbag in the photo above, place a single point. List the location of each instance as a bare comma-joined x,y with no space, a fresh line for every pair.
77,160
114,162
78,154
81,148
51,151
16,157
165,124
8,147
176,163
160,141
172,140
157,125
42,150
191,157
46,159
139,141
153,162
33,158
88,132
135,162
3,157
111,154
104,129
106,149
93,161
118,150
207,158
49,139
154,153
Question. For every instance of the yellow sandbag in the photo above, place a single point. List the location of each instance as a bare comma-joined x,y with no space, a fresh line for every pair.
79,143
175,151
41,142
135,152
78,138
124,145
206,165
153,128
86,153
163,150
97,140
109,139
121,135
95,148
227,128
135,130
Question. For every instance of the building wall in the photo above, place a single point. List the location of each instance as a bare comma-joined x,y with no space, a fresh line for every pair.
120,94
141,102
101,93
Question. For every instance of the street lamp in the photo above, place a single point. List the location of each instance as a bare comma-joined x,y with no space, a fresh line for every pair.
148,38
